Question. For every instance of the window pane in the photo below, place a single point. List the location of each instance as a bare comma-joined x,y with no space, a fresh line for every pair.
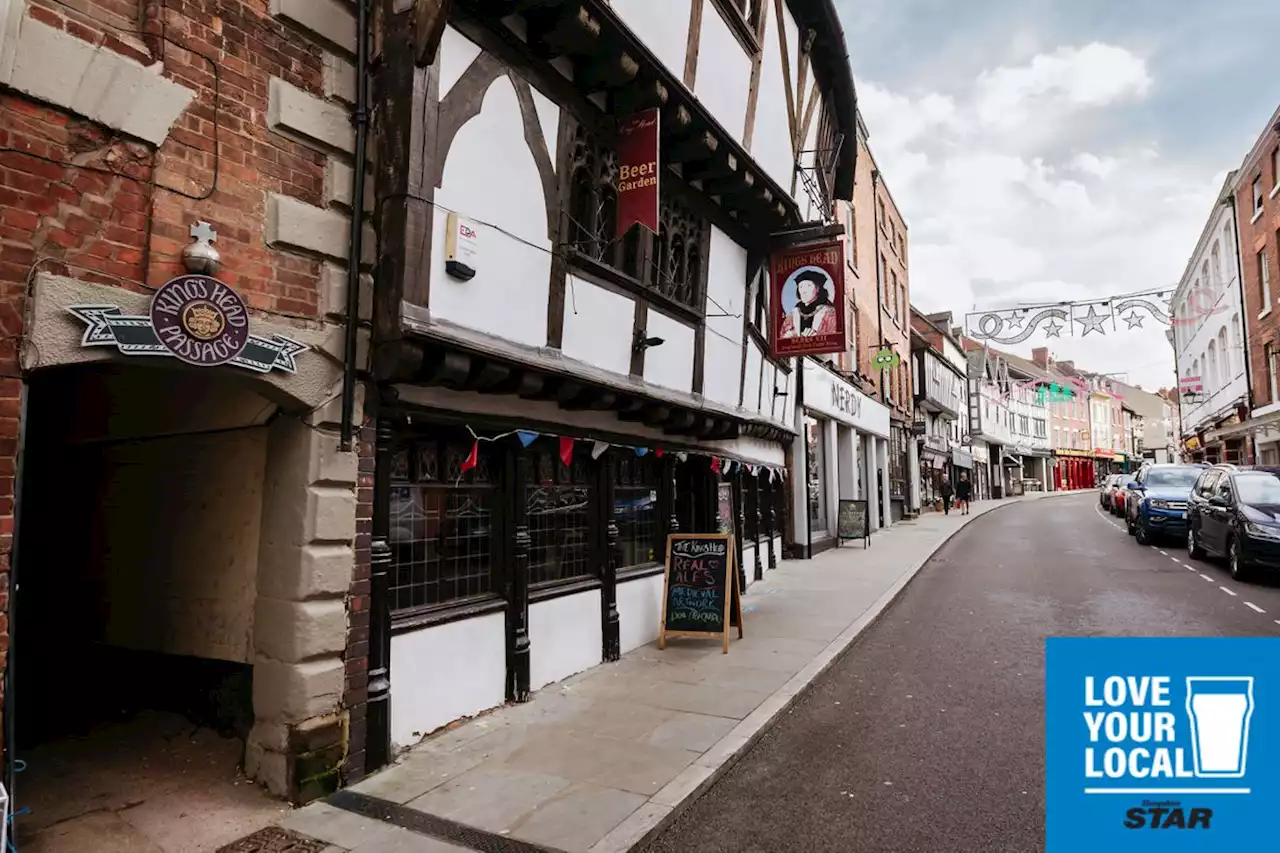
635,506
557,506
442,535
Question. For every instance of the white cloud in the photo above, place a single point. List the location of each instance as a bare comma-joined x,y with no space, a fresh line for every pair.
1012,196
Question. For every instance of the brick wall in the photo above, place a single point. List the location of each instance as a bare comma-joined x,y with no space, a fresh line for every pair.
1260,233
92,202
356,694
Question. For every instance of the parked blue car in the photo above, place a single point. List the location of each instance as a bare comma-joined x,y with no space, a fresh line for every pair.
1157,503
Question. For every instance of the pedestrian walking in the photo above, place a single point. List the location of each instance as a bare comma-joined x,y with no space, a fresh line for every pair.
947,492
964,490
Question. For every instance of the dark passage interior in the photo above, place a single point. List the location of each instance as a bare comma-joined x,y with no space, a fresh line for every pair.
132,639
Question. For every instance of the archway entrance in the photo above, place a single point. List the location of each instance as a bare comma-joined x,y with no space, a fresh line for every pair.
132,688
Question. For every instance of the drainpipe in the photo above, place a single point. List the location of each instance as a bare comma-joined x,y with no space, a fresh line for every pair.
882,275
10,694
361,121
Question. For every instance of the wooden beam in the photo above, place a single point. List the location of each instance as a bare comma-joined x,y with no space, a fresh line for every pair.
607,72
699,146
642,94
720,166
566,30
593,399
691,45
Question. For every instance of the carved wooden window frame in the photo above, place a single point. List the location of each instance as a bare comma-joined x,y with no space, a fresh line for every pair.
669,269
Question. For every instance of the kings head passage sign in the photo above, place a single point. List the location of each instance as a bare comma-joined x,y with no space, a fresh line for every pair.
1161,744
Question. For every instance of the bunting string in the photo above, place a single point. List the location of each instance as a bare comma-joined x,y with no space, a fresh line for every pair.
566,444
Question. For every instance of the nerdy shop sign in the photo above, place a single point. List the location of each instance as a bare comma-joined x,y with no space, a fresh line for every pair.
807,300
193,318
638,172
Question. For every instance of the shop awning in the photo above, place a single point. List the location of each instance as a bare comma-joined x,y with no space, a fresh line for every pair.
1268,421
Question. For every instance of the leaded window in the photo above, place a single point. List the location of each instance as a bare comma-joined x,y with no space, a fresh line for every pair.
635,507
671,262
559,505
442,531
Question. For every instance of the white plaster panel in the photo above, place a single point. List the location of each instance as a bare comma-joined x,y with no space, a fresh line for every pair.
721,369
670,365
549,119
807,207
664,28
491,179
456,54
771,139
751,391
445,673
639,611
749,562
565,637
726,292
767,381
724,74
331,20
598,326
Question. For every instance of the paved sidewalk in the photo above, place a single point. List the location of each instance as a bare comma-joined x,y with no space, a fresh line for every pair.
603,760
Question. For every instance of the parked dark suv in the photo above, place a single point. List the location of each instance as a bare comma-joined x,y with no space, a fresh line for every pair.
1235,513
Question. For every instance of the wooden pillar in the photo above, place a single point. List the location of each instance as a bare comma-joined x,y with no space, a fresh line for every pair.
741,524
378,713
670,490
517,586
609,623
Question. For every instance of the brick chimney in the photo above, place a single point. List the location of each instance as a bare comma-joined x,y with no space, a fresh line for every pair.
942,319
1040,355
1067,367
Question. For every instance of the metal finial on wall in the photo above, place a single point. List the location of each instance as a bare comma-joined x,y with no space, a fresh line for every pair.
200,256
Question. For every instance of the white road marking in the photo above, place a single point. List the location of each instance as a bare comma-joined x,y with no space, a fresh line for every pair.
1206,577
1175,559
1164,553
1254,607
1227,591
1190,567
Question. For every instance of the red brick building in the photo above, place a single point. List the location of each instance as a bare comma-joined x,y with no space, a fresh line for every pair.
185,531
1257,197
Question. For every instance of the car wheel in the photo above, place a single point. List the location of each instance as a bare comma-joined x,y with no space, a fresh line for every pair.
1140,533
1128,525
1194,551
1239,570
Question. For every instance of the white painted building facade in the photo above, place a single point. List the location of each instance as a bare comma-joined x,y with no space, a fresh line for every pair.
620,389
1209,328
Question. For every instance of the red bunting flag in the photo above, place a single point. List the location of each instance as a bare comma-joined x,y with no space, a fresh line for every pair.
472,458
566,450
657,452
715,464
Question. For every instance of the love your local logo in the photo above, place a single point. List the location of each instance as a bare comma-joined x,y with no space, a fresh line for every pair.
1176,736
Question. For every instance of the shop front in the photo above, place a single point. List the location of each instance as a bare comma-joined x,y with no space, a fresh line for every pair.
981,470
934,459
1073,469
961,466
843,452
1010,473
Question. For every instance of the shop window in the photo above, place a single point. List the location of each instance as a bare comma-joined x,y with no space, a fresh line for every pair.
635,508
443,531
751,501
558,510
816,475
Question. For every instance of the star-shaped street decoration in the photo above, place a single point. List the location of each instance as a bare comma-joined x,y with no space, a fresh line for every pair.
1093,322
1014,321
1134,320
1053,329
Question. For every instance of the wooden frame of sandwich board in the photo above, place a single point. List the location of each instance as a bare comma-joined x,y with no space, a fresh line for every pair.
732,592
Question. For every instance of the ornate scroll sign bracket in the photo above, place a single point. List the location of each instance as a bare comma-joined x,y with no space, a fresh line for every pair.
195,319
1077,319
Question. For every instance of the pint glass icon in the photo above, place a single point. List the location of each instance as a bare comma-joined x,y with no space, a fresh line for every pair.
1220,708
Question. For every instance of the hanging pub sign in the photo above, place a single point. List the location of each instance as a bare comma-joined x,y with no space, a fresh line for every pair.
807,299
193,318
638,172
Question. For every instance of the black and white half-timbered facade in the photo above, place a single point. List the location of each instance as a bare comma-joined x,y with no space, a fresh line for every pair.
552,400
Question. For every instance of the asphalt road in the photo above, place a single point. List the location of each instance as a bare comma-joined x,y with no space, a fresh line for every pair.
927,736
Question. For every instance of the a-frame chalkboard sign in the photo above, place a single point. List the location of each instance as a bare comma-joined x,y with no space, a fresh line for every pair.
700,591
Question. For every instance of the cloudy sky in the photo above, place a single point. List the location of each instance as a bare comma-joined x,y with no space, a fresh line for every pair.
1043,150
